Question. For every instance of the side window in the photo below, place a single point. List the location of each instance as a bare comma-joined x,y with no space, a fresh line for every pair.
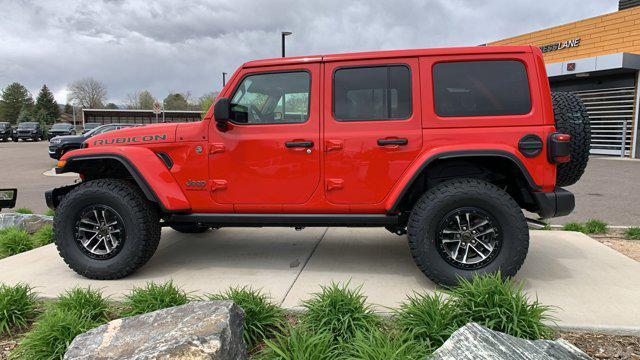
275,98
481,88
372,93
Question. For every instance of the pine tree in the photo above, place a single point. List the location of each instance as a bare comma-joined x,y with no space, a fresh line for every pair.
68,109
46,104
26,114
14,97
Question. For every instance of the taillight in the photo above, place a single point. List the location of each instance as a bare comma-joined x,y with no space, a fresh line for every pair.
559,148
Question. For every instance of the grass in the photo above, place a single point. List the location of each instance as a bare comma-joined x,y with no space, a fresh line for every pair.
501,305
262,319
153,297
339,310
595,226
376,344
632,233
43,236
18,308
51,335
429,317
296,343
14,241
87,303
24,211
573,226
50,212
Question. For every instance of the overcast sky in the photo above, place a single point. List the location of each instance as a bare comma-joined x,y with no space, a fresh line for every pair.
179,46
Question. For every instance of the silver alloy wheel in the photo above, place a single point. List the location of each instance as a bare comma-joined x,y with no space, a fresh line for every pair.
100,232
469,238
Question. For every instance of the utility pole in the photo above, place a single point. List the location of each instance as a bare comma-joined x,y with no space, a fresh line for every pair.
284,34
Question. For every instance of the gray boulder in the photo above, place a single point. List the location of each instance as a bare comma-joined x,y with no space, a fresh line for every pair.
29,222
198,330
476,342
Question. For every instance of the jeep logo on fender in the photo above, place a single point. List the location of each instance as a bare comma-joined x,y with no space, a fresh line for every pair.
132,139
196,183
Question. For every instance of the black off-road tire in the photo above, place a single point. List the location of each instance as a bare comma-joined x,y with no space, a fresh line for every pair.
571,118
141,221
448,196
194,228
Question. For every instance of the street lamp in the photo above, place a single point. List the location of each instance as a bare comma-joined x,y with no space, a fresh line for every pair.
284,34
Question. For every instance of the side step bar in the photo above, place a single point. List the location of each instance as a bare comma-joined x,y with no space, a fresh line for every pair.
298,220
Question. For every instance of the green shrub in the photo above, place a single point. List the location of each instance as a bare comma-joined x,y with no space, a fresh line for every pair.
632,233
375,344
428,317
339,310
295,343
24,211
50,212
18,307
573,226
43,236
262,319
594,226
503,306
51,335
14,241
85,302
153,297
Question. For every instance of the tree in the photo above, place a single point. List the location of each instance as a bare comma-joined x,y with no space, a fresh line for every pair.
26,114
14,98
142,100
111,106
176,102
68,109
46,104
205,101
89,93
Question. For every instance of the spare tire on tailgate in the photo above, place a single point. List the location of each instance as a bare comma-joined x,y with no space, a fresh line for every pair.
571,118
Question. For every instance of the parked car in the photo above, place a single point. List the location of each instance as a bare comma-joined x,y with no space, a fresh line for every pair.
60,145
447,146
6,131
61,129
8,198
29,131
89,126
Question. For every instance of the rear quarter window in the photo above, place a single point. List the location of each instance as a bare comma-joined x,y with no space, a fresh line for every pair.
481,88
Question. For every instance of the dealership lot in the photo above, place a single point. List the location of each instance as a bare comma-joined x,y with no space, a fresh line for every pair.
608,190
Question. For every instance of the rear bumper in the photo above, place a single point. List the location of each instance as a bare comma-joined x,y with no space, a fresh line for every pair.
559,202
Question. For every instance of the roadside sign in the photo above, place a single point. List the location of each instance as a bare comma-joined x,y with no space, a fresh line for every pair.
157,108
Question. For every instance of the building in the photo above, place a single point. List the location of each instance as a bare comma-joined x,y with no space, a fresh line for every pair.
599,60
108,116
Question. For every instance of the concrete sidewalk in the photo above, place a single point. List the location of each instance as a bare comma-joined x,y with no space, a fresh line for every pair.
592,285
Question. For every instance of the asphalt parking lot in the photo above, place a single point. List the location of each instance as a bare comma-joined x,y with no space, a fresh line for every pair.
609,190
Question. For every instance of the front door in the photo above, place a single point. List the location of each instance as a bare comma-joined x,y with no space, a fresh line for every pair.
373,128
269,155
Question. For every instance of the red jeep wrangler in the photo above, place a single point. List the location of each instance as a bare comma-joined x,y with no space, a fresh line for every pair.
447,145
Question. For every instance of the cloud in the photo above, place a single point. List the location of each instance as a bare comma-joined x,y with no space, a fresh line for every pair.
166,46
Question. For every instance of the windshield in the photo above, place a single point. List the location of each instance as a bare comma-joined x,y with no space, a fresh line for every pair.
96,130
60,127
4,126
27,126
89,126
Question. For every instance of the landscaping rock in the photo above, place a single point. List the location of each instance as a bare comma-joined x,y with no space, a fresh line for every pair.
474,342
29,222
198,330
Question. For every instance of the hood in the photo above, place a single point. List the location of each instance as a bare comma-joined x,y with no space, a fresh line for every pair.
142,135
69,138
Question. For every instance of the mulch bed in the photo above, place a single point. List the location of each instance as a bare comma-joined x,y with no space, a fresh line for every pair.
604,346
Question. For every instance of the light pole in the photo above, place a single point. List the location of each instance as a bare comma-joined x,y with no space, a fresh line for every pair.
224,79
284,34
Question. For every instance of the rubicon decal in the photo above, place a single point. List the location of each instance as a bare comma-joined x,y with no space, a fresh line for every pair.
132,139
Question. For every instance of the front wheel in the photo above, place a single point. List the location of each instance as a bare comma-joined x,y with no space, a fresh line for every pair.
106,229
464,227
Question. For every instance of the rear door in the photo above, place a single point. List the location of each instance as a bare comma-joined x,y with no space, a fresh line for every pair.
372,127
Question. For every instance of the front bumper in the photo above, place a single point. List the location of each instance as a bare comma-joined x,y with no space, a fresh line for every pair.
559,202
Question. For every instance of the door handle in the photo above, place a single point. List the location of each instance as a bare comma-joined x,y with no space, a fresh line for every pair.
397,142
298,144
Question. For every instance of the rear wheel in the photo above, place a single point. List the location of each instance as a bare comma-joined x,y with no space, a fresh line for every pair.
464,227
106,229
194,228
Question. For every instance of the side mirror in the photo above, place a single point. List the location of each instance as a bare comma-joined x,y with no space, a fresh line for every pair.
222,113
8,198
